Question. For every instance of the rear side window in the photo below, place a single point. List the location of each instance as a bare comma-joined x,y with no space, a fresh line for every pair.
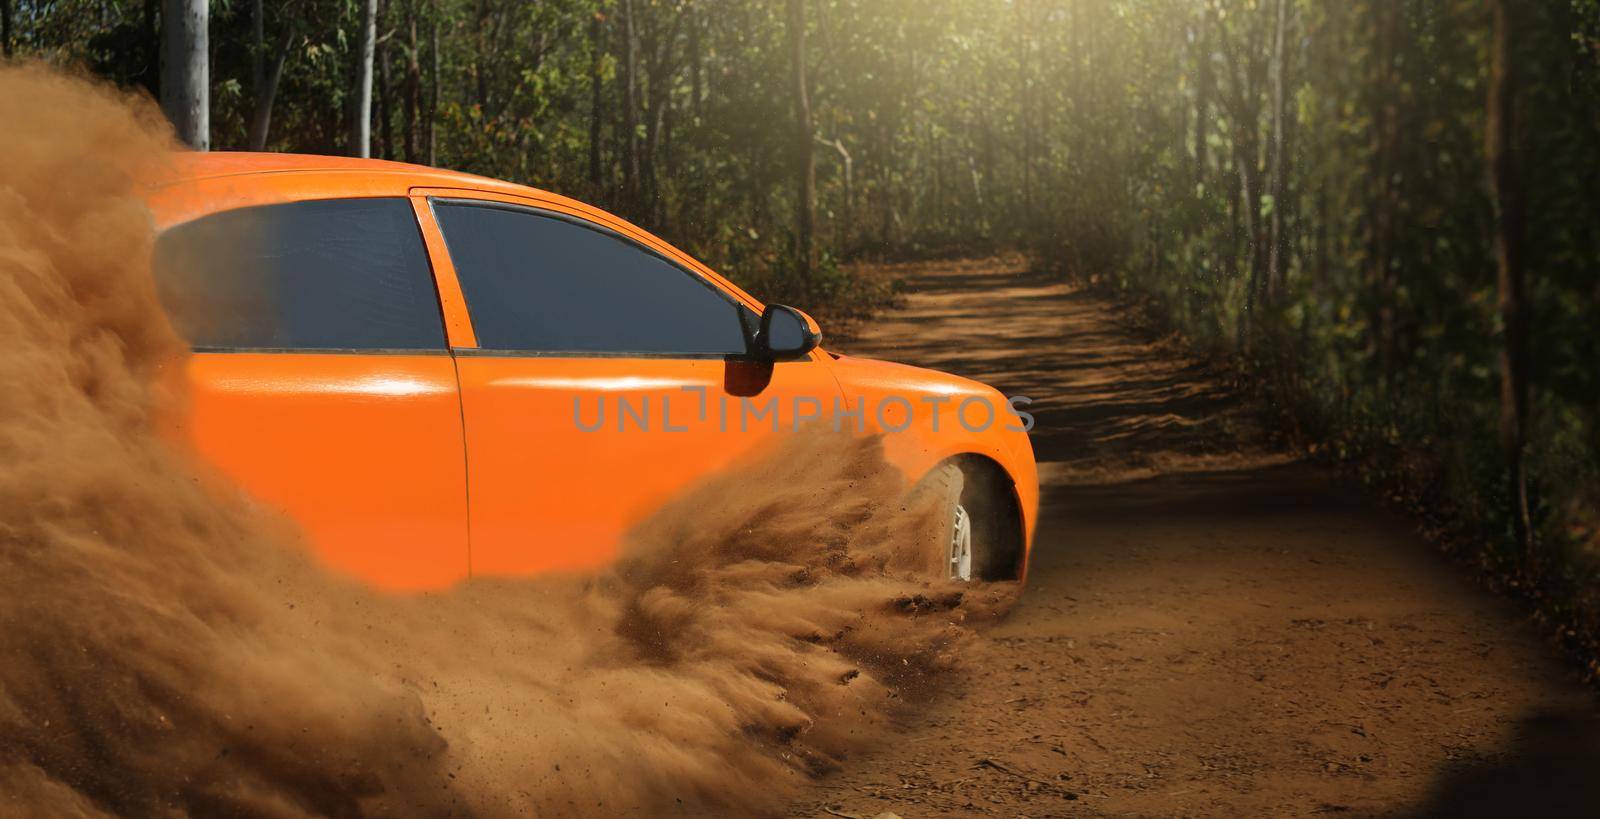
339,274
539,283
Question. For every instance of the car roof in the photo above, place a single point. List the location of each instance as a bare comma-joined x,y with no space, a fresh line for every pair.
196,165
201,182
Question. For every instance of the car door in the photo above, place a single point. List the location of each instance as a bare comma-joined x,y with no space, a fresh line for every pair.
321,381
607,377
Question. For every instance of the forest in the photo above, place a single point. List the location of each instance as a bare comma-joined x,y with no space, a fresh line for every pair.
1380,214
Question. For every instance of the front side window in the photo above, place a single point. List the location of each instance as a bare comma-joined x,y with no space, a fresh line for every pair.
536,282
337,274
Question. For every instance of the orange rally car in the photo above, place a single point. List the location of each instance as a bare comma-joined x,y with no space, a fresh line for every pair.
439,375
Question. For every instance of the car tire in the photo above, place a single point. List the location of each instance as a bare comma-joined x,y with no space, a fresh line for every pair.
973,536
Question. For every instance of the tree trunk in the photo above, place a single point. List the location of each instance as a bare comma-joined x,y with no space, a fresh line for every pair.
1382,191
1248,76
936,148
807,158
1230,256
885,184
630,108
1250,206
433,82
660,75
384,103
150,73
847,168
1246,152
669,160
360,139
696,62
1023,116
185,74
1202,96
1277,177
266,94
596,99
258,47
5,27
1324,257
413,85
845,221
480,49
1510,216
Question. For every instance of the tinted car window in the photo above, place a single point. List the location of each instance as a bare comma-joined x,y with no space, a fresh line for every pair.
334,274
539,283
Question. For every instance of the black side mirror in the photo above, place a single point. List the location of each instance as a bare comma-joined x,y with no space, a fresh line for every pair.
785,334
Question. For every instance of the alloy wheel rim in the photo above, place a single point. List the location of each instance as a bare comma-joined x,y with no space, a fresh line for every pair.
960,553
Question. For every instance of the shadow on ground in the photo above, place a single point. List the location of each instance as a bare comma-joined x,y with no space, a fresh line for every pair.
1551,768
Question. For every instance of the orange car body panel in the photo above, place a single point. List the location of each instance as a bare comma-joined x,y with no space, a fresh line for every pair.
365,452
550,494
413,472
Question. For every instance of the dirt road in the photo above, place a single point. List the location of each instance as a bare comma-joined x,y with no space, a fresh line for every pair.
1212,627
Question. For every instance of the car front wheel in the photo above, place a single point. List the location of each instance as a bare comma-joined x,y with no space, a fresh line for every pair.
975,534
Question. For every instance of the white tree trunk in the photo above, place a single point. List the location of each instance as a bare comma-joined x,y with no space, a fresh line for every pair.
361,109
185,74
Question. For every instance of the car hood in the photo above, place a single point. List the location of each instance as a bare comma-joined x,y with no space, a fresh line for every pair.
890,376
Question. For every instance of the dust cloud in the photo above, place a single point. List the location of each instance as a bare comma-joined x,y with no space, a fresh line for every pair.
166,649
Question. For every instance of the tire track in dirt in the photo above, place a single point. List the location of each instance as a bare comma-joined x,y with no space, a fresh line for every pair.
1212,627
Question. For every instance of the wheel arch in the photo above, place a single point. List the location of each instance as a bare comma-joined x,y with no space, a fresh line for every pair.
995,482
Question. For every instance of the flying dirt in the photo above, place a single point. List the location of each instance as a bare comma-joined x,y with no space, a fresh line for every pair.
168,648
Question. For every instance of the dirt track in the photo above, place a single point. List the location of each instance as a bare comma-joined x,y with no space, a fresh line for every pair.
1212,627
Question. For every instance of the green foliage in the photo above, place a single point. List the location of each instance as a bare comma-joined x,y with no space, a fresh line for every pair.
1377,332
